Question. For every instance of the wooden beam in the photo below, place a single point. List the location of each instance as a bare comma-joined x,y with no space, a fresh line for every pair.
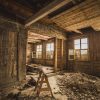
16,8
55,55
62,53
4,13
47,10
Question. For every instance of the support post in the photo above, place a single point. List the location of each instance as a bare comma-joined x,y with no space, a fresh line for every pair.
62,54
55,55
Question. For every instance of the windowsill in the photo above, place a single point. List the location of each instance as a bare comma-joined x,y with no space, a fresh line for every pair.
79,60
48,59
41,59
38,58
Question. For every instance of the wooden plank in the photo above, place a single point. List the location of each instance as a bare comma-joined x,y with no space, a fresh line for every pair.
62,52
47,10
16,8
55,55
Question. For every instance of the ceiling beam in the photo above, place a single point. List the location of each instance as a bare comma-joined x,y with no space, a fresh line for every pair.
56,4
16,8
9,15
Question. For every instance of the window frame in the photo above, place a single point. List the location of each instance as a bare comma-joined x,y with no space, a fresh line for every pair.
87,49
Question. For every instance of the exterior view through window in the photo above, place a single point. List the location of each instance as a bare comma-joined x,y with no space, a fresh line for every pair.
81,49
39,51
49,50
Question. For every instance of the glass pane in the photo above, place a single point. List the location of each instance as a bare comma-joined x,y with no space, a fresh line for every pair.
52,47
84,52
77,41
49,55
71,52
48,47
40,46
84,55
84,46
77,54
84,40
77,46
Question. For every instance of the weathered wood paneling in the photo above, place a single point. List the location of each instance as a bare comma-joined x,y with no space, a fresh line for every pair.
12,52
29,53
92,66
22,42
61,58
8,60
83,15
48,30
43,60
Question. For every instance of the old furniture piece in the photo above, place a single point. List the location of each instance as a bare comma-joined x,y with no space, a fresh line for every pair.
44,73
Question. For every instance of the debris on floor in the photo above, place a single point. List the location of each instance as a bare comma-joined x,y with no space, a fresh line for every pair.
77,86
32,68
31,82
65,86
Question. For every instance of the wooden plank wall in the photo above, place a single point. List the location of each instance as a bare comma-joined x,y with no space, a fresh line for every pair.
43,61
61,59
92,66
29,53
61,54
12,52
83,15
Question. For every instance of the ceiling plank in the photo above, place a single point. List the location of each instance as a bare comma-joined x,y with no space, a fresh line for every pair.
9,15
17,8
46,10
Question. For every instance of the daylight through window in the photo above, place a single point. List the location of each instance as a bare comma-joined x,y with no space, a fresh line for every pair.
81,49
39,51
50,50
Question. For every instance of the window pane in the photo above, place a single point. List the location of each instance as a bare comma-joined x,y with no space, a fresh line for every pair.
49,50
84,46
84,52
77,54
52,46
39,51
84,55
48,47
71,52
84,40
77,46
77,41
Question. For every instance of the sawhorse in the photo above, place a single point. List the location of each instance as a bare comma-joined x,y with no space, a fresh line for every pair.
43,78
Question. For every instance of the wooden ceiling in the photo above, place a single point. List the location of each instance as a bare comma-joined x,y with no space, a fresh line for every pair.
34,37
20,10
76,16
68,15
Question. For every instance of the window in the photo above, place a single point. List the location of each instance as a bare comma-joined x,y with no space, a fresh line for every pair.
81,49
39,51
71,54
50,50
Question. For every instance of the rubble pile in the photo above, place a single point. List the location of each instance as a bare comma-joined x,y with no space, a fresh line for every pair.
79,86
31,82
32,69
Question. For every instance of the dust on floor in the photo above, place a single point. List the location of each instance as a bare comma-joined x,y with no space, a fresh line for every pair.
79,86
65,86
